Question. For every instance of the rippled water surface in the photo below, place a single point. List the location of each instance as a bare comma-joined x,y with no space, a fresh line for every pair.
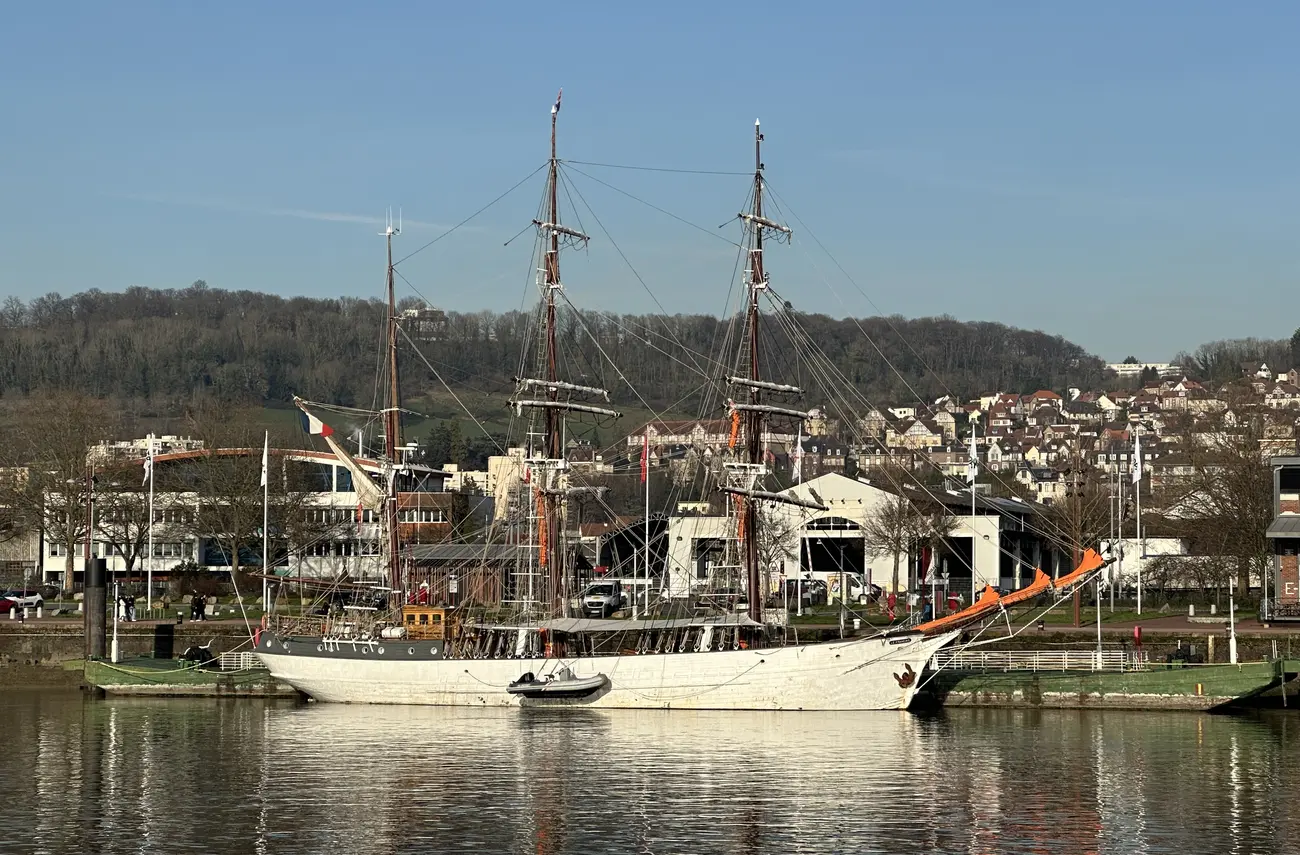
249,777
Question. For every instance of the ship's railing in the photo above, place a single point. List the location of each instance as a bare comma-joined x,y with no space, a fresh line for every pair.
240,661
291,625
1035,660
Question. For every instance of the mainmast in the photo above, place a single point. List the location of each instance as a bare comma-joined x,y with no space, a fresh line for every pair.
392,422
550,467
753,413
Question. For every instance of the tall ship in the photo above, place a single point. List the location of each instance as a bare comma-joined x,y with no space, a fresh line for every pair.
738,656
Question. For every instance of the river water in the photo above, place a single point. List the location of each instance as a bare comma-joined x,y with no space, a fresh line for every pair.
171,776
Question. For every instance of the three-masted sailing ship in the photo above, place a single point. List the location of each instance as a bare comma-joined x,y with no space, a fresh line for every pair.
418,653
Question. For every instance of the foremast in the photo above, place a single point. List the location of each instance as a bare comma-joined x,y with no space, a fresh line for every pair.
392,426
752,414
547,470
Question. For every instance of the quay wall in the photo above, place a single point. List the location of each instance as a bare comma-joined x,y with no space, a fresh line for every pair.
48,643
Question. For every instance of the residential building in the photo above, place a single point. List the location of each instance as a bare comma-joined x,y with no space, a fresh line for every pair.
1284,535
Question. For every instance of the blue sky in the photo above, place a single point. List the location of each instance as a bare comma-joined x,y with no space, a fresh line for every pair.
1123,174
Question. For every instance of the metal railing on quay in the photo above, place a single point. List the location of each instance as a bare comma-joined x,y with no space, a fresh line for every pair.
239,661
1035,660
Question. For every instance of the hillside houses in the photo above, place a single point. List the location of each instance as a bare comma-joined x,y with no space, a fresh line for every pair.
1023,441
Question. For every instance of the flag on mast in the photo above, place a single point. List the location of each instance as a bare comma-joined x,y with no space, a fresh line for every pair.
148,462
266,454
1137,458
645,456
314,426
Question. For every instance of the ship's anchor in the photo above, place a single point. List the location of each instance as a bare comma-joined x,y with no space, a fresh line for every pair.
907,678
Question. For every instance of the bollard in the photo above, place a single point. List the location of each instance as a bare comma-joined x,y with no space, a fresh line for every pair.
13,614
1213,609
1191,610
40,612
27,612
96,611
81,606
857,624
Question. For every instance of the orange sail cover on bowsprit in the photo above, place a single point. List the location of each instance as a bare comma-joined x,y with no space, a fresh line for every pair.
1041,583
1091,561
989,599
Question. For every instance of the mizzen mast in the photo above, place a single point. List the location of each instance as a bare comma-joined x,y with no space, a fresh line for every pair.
550,466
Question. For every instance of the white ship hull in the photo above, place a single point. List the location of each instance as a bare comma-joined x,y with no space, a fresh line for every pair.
860,674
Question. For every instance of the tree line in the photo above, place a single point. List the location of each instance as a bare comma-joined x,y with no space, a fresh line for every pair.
171,348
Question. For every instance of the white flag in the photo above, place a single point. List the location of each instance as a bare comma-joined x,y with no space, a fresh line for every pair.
266,451
796,472
148,462
1137,458
972,468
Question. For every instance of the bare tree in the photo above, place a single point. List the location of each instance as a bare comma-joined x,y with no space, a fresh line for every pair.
226,480
45,448
900,524
1226,504
122,518
1082,517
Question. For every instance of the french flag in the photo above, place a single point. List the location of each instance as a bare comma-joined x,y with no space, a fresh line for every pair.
313,425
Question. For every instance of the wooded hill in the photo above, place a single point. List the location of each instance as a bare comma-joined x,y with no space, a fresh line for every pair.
166,349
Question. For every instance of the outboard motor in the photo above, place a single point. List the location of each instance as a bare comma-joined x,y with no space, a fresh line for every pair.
199,654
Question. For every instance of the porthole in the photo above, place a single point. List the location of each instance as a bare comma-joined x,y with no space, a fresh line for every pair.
285,645
366,650
410,651
380,651
320,648
433,651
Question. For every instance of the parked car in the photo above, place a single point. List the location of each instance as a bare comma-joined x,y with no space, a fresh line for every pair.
6,606
602,599
24,598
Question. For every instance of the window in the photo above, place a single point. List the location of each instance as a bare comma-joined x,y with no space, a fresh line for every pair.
369,547
832,524
423,515
320,549
173,550
58,550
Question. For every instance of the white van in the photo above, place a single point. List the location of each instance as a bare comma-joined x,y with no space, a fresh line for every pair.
860,590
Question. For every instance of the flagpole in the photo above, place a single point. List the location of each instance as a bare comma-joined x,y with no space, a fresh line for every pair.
149,558
1137,492
266,492
645,478
974,431
1116,508
1119,522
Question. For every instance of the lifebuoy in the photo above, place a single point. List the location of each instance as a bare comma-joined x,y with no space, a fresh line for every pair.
257,637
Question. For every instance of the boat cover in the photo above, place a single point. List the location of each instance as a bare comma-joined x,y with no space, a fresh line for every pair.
988,599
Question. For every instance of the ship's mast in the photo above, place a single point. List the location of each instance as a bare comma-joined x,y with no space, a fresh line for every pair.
554,450
754,417
753,412
549,483
392,422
